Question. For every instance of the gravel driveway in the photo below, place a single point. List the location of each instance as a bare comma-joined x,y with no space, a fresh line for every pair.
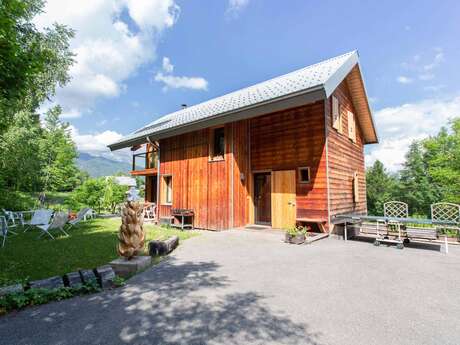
242,287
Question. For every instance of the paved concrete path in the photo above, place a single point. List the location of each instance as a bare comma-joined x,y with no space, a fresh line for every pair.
250,288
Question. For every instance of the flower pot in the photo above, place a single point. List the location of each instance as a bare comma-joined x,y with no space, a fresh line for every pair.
295,239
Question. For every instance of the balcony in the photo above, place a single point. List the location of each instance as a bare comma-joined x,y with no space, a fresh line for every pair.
145,163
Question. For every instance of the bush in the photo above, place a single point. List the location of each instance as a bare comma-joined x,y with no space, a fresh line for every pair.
20,300
17,201
101,194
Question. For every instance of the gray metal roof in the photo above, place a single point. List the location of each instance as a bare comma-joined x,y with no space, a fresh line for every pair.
320,79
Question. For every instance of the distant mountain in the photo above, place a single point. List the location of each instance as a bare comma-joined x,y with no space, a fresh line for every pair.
100,166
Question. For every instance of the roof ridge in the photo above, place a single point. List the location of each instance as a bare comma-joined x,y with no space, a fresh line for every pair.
177,112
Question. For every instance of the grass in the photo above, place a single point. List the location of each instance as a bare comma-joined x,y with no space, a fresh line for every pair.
90,244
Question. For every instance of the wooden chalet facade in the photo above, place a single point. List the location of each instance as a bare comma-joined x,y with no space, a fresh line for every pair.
292,159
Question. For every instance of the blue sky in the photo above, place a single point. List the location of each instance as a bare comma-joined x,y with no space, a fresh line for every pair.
140,59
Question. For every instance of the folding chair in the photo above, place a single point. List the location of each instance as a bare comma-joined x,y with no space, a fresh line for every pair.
57,223
11,218
81,215
39,217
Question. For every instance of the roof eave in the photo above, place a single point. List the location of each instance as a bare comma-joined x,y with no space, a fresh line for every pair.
277,104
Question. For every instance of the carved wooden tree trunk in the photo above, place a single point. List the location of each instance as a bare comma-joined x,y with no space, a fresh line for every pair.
131,235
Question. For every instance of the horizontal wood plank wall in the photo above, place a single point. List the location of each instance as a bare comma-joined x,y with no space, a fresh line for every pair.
345,157
291,139
197,183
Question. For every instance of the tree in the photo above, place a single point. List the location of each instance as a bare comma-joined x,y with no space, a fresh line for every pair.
442,156
20,154
381,187
32,62
60,154
416,186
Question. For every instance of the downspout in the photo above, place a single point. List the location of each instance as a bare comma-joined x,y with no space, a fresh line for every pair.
232,211
158,174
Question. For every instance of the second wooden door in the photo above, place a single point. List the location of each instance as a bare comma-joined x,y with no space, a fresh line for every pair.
283,199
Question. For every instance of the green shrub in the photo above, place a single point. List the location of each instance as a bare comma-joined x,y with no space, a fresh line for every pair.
18,300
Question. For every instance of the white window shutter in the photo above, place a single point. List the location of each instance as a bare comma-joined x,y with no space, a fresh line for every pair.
355,187
351,126
336,123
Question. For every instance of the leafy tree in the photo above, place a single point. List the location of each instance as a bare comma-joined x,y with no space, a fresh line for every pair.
381,187
32,62
416,186
101,194
20,154
90,193
60,153
442,156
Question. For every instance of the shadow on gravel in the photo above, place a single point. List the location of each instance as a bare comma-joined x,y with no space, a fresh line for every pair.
173,303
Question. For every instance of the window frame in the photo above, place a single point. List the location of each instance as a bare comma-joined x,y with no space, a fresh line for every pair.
299,174
167,191
212,156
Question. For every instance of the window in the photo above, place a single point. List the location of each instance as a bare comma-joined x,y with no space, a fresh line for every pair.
167,189
351,126
355,187
217,144
336,118
304,175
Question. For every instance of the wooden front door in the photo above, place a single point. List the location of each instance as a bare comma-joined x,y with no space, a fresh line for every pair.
262,198
283,199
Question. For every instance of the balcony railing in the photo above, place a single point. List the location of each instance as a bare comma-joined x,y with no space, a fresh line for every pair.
145,161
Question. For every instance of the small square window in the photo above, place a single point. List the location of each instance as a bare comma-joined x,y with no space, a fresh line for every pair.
304,175
217,144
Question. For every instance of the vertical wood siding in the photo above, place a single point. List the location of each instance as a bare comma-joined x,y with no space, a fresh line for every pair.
345,157
291,139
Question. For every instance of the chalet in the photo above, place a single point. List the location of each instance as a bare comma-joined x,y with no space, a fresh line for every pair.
285,151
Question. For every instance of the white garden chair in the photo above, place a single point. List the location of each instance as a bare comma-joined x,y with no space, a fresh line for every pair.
57,223
150,212
13,219
90,214
3,229
81,215
446,216
39,217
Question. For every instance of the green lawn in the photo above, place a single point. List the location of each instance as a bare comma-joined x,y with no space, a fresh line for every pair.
90,244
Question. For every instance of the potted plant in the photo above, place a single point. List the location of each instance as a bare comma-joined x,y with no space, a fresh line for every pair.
296,235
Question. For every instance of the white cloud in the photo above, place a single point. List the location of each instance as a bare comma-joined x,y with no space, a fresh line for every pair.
404,80
96,144
422,71
399,126
178,82
438,59
235,7
167,66
108,51
170,81
428,76
434,88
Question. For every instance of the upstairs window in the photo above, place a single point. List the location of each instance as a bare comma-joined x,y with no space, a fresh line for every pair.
304,175
351,126
336,117
217,144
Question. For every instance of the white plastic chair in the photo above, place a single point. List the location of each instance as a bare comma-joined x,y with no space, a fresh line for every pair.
57,223
39,217
3,229
90,214
81,215
11,218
